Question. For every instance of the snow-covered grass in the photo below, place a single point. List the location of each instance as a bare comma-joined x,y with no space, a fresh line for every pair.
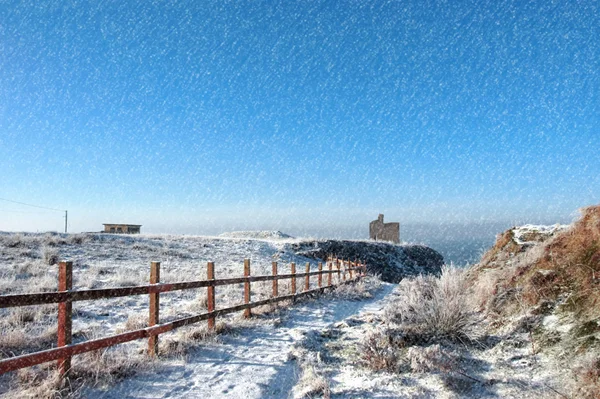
454,334
28,263
430,306
368,355
530,233
264,235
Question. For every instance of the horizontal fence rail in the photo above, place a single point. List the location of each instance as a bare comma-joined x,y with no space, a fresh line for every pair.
44,298
337,268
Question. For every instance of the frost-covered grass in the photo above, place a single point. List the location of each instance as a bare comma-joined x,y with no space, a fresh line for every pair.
430,306
377,354
540,284
28,263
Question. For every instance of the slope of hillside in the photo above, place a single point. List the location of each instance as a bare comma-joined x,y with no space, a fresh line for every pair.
544,281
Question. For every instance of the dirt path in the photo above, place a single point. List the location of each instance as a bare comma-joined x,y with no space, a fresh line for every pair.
251,364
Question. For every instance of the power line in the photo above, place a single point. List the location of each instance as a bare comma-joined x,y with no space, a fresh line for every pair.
31,213
34,206
41,207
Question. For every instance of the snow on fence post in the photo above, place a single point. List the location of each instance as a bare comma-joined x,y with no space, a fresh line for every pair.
293,278
65,314
154,308
307,278
210,293
275,285
329,276
247,311
320,275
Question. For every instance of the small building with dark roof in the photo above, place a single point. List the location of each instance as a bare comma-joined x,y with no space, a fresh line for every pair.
119,228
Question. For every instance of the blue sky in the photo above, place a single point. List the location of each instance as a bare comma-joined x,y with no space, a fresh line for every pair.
201,117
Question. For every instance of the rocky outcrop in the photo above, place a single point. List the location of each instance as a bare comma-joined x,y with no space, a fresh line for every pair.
392,262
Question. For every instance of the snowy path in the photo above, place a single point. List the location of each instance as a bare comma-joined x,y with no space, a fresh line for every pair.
251,364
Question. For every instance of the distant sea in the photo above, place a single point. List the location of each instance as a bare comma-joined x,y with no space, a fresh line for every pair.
459,244
461,252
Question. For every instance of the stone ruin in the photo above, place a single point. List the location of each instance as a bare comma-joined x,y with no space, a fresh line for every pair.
380,231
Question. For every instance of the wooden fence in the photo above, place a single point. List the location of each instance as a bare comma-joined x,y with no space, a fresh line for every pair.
343,271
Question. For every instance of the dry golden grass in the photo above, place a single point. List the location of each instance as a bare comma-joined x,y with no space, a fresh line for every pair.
504,246
588,379
311,385
571,264
378,352
558,276
509,279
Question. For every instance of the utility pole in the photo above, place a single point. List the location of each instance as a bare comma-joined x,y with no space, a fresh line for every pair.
66,214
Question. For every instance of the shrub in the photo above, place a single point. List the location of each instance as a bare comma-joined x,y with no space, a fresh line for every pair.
20,240
436,306
50,256
378,352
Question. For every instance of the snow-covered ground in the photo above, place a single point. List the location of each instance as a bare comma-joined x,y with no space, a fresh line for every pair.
531,233
117,261
265,357
502,366
264,360
28,264
254,362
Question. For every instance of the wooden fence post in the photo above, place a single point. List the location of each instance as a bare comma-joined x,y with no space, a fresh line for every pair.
247,312
154,308
275,285
307,278
320,279
293,278
329,276
339,273
349,269
65,314
210,293
343,270
346,270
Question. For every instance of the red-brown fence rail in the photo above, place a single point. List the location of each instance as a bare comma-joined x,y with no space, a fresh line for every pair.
66,296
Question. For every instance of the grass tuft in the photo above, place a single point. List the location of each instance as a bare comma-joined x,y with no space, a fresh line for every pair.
436,306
